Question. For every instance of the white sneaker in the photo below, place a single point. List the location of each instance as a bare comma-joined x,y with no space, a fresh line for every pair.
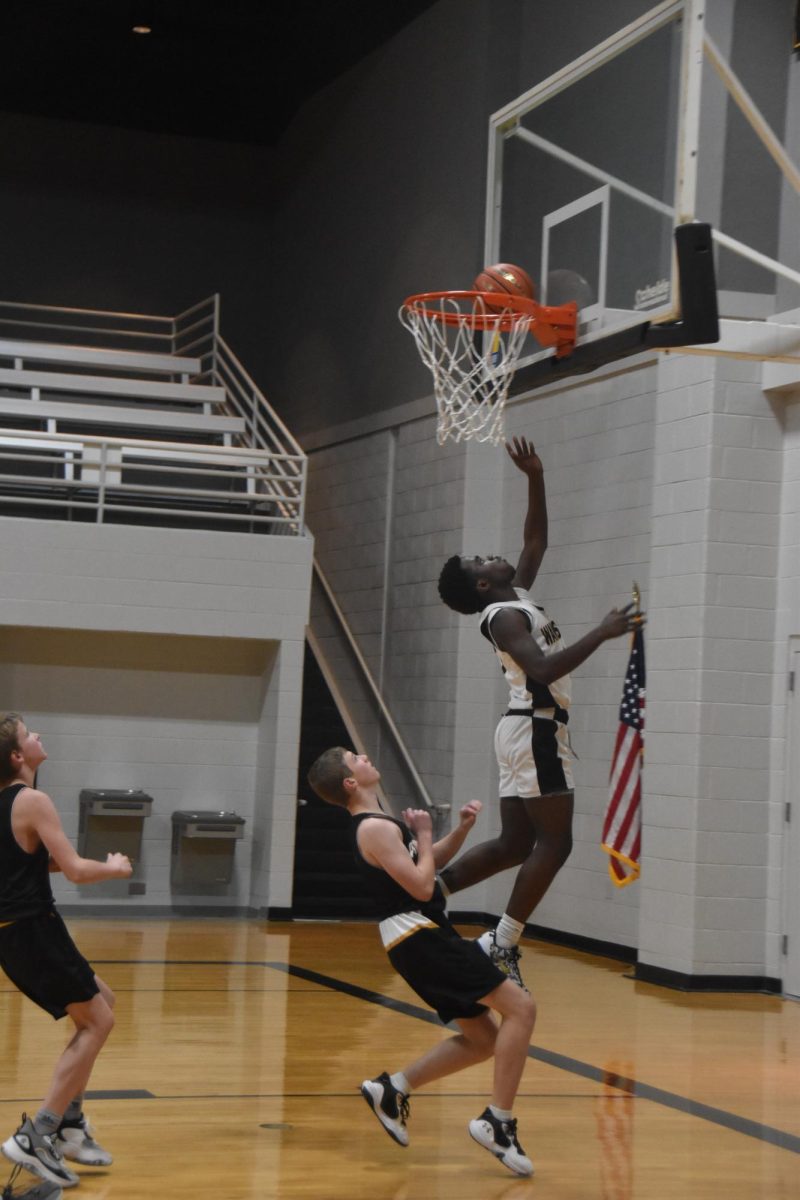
504,958
389,1105
500,1139
74,1140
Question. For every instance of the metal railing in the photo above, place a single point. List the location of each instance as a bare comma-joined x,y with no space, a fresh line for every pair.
86,477
362,706
260,478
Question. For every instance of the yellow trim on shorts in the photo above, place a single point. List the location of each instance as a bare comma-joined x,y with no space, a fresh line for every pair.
409,933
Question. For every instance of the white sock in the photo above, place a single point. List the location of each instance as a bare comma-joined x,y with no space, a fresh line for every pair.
400,1082
508,932
502,1114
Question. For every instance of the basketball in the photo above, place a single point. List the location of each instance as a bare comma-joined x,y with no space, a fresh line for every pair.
505,277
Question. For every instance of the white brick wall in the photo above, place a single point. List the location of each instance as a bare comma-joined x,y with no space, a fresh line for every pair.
677,472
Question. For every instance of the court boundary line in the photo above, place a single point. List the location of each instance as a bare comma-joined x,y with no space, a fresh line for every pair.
780,1138
634,1087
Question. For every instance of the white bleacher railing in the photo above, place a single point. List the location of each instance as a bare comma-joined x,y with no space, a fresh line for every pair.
256,480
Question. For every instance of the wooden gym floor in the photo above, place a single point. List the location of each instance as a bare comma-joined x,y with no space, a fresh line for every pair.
234,1067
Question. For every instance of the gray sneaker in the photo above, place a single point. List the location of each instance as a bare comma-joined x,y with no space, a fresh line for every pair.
36,1152
505,959
75,1140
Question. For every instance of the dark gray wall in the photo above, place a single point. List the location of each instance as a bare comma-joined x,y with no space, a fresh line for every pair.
378,190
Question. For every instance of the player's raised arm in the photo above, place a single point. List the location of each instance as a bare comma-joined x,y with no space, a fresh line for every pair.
451,843
534,535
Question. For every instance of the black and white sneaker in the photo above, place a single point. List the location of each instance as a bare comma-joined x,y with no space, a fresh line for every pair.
75,1140
504,958
23,1189
389,1105
500,1139
37,1153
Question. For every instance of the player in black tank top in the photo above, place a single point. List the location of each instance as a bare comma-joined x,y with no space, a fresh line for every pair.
41,960
397,861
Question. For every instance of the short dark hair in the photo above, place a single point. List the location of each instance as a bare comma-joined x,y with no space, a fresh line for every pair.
327,775
9,742
457,587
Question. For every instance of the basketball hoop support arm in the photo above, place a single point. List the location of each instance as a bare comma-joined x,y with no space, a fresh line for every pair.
698,325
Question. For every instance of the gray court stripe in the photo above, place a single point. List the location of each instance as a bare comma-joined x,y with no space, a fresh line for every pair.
717,1116
122,1094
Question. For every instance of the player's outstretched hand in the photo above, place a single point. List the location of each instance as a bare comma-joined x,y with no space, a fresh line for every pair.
469,813
523,455
418,820
622,620
120,864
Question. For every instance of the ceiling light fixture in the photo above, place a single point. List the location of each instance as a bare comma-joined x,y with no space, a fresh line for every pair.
141,13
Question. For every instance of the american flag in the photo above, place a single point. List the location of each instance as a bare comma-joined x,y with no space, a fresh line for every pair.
622,828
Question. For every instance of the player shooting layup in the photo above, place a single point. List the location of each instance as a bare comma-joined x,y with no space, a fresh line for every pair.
531,743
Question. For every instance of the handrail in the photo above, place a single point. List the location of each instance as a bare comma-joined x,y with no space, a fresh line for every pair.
249,379
91,312
384,711
341,704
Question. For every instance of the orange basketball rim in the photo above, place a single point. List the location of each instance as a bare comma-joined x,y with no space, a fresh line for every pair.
552,326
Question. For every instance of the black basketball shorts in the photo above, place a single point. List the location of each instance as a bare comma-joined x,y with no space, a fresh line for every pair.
42,961
448,972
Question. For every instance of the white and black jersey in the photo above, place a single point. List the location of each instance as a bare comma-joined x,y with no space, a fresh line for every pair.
524,693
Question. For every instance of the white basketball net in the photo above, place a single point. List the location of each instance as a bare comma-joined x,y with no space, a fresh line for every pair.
472,368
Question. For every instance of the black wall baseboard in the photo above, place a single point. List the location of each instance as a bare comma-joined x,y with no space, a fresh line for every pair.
646,973
558,937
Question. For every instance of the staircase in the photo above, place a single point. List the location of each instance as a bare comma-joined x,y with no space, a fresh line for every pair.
325,881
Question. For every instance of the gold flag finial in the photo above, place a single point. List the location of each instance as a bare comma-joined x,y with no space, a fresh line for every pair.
637,596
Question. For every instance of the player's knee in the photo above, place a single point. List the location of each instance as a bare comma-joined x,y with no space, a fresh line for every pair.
103,1021
557,845
513,852
525,1009
529,1011
564,846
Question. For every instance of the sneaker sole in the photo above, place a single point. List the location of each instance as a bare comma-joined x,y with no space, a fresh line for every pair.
16,1154
370,1099
75,1156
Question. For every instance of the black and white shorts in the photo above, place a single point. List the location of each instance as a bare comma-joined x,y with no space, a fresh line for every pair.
533,756
448,972
42,961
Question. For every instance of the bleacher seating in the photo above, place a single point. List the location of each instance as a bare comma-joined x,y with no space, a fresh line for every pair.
133,362
108,432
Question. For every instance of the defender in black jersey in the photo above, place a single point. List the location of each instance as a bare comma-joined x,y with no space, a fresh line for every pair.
397,861
41,960
531,742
